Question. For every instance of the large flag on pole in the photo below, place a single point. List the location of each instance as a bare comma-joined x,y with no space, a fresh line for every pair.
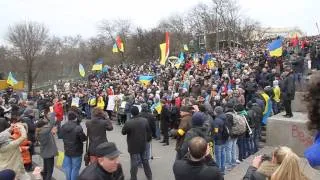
11,80
164,48
81,70
98,65
275,48
119,44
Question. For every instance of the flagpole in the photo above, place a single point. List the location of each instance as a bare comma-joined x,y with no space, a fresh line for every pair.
318,28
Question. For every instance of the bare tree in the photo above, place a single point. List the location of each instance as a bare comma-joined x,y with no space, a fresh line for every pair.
29,39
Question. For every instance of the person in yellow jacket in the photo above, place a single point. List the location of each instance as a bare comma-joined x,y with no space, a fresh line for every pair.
100,103
276,98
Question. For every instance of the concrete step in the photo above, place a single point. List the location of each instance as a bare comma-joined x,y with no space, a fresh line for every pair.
263,139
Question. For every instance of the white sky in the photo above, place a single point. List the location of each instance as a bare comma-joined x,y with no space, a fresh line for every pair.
72,17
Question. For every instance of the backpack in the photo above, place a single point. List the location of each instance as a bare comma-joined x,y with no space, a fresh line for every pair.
225,132
239,124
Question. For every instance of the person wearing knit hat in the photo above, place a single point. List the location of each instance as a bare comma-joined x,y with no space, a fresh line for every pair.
198,119
138,134
7,174
220,137
198,129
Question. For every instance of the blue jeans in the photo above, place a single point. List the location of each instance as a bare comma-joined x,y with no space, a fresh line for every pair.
71,167
256,138
251,143
220,154
157,129
148,151
275,107
231,152
134,162
128,116
87,110
242,147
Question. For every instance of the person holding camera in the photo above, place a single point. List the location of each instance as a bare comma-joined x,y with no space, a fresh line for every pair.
73,137
283,165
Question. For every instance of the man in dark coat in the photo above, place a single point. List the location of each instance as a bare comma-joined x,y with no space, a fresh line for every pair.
96,131
107,167
165,121
194,166
288,91
73,138
138,134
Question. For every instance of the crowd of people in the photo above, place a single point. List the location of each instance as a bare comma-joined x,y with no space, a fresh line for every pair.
214,104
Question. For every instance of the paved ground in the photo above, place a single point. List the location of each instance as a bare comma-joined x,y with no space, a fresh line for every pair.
163,160
161,165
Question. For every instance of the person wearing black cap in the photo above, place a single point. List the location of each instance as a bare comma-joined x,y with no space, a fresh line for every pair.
107,166
138,134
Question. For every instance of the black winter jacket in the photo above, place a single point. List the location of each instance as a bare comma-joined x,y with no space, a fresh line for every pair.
96,172
96,131
288,89
73,138
31,128
138,133
151,120
186,169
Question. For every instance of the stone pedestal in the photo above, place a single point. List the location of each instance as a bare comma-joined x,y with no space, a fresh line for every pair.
291,132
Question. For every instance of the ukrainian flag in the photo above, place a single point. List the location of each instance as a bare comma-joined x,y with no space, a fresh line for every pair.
98,65
11,80
157,107
145,80
275,48
115,48
180,60
81,70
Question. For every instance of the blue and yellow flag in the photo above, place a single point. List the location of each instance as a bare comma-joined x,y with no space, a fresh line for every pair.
11,80
145,80
105,69
81,70
98,65
275,48
115,48
157,107
180,60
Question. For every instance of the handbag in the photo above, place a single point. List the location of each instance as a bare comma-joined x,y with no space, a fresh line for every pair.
86,157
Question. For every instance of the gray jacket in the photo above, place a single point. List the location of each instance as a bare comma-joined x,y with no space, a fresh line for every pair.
48,147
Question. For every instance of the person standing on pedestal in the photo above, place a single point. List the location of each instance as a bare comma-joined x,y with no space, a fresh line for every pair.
288,91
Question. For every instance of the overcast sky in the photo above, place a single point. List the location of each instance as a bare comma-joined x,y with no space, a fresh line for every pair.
72,17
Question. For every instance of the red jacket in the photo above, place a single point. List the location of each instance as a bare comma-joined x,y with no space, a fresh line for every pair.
178,102
58,109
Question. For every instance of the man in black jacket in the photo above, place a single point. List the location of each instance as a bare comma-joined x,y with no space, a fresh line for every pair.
73,138
96,131
138,134
165,121
107,167
288,91
195,165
